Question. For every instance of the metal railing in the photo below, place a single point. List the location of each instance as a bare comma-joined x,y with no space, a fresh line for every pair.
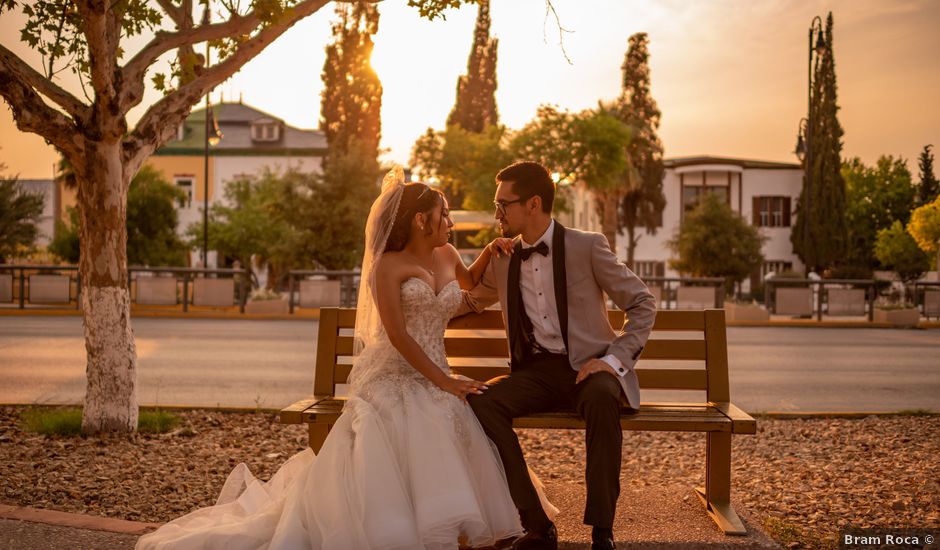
670,288
25,271
820,294
349,284
919,289
186,275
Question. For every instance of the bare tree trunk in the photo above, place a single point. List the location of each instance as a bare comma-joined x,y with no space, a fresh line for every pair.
111,392
608,203
631,246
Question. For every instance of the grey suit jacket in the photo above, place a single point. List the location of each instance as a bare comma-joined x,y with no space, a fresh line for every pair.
591,271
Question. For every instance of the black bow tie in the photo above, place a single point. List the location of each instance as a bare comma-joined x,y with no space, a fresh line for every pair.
541,248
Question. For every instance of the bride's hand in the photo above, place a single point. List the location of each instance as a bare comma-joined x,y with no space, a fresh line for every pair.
501,246
462,387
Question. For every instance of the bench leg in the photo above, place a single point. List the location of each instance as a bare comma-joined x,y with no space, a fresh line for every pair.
316,435
716,495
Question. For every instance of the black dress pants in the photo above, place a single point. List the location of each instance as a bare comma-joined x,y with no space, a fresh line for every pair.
548,384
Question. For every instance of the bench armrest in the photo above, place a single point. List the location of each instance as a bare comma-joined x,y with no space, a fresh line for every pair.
293,414
741,422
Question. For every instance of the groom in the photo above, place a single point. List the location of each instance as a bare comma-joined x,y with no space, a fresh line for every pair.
564,354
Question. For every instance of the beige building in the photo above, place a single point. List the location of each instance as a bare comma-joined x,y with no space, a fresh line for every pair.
251,142
763,192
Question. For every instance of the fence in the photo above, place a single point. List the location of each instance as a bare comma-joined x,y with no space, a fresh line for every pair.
804,297
927,298
149,286
687,292
322,288
174,286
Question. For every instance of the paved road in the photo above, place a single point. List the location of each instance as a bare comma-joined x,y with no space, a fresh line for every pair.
270,364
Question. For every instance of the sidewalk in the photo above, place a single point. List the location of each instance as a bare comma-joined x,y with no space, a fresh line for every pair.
314,314
654,517
35,529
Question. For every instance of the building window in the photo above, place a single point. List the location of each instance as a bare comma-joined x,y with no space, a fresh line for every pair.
265,131
696,185
693,195
771,211
186,186
647,269
776,267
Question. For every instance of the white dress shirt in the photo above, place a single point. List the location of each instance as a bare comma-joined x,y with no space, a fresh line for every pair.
537,282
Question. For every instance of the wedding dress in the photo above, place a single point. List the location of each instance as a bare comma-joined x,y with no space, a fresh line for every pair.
406,466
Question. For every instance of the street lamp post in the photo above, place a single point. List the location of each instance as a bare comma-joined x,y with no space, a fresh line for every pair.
804,149
212,137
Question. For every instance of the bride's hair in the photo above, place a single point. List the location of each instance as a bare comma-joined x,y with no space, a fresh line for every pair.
417,197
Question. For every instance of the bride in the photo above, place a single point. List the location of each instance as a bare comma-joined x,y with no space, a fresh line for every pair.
407,465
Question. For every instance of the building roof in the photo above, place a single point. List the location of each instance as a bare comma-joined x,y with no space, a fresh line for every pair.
679,162
235,120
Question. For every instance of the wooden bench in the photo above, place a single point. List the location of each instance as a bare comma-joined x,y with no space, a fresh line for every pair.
476,347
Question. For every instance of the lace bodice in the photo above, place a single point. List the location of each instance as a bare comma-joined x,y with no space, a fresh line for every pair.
426,317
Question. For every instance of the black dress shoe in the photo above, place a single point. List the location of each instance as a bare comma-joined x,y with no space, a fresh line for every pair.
603,544
546,539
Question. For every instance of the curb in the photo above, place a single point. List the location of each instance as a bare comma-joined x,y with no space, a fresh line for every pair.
314,314
775,415
851,415
148,407
78,521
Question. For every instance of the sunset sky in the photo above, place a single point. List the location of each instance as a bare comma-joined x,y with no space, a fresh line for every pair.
729,75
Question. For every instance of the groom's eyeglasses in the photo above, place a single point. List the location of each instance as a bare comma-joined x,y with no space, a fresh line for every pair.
501,205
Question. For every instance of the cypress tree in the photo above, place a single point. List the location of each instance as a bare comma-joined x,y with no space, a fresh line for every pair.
351,101
475,108
819,235
929,188
333,213
643,200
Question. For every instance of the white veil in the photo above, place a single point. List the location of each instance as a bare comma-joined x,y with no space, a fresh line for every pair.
378,227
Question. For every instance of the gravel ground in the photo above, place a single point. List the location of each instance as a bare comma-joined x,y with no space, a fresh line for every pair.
803,480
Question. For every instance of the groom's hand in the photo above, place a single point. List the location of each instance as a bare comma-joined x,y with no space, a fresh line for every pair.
591,367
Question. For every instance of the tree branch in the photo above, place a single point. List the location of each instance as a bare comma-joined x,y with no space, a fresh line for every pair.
175,12
34,115
102,47
159,123
23,73
135,70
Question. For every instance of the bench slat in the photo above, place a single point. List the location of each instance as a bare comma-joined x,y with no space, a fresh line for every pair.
293,414
651,379
673,379
650,417
679,350
493,319
346,318
455,346
634,422
742,423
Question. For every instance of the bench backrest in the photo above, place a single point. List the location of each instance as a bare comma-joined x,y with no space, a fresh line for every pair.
476,347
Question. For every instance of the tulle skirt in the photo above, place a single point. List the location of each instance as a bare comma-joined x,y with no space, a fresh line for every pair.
407,468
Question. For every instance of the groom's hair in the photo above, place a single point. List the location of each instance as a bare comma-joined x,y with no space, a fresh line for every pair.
529,179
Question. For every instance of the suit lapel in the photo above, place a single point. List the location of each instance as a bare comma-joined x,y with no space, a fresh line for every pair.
513,292
560,279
